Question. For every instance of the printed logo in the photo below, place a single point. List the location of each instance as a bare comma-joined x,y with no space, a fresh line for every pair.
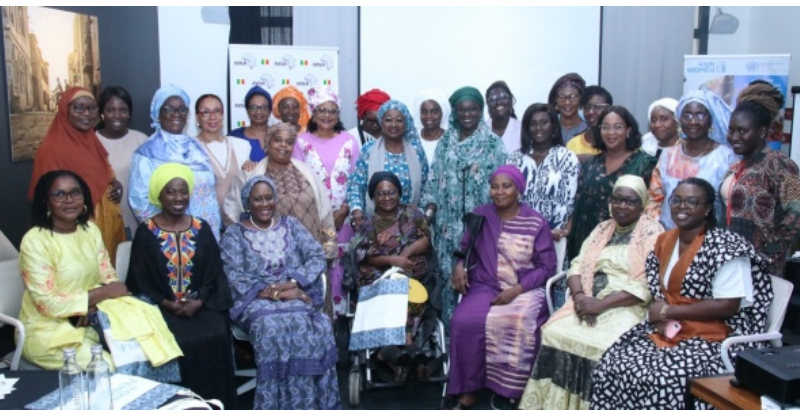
241,81
264,62
249,59
327,82
752,66
303,63
285,81
241,124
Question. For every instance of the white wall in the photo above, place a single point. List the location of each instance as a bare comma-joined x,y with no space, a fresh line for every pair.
194,54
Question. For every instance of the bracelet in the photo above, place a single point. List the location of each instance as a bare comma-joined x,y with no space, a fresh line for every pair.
663,312
429,213
575,293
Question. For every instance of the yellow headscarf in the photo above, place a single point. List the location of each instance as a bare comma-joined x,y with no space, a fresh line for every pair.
165,173
635,183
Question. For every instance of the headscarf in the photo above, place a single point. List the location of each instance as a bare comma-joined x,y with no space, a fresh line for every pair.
66,147
165,173
434,95
464,94
381,176
370,101
250,184
411,131
321,95
635,183
291,91
720,113
256,90
166,147
514,174
668,103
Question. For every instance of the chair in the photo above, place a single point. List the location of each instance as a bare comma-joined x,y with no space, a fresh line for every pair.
10,304
123,260
7,250
782,290
561,250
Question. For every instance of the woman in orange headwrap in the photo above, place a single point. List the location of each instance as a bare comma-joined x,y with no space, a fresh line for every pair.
291,107
71,144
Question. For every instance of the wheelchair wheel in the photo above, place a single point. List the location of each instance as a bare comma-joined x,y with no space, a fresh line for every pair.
354,385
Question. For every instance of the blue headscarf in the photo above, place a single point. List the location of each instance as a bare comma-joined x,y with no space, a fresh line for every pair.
248,187
720,113
411,130
166,147
256,90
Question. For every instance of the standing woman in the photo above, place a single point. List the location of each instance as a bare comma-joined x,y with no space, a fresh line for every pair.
369,125
226,154
290,106
762,191
169,112
397,151
703,153
465,158
620,155
120,142
258,103
564,97
550,169
432,121
502,119
71,144
664,129
594,100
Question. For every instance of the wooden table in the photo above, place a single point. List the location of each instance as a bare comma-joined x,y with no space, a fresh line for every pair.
718,392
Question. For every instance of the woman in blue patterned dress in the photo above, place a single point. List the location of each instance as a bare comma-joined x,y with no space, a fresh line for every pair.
274,267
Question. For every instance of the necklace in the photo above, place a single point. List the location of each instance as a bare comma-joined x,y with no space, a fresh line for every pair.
271,222
624,230
223,169
683,150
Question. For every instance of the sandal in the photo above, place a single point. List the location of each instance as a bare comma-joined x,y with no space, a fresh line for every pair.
400,374
460,405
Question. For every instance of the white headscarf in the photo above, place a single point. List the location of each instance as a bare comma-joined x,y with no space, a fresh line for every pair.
435,95
668,103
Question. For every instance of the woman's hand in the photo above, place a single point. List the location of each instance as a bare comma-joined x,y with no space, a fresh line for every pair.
114,290
274,290
559,234
248,166
340,215
590,320
403,263
585,305
189,307
115,193
356,219
507,296
295,293
660,328
460,282
654,312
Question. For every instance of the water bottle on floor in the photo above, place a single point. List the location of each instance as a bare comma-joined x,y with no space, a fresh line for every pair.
98,381
70,383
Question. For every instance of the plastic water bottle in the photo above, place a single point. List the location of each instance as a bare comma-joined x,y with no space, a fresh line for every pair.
98,381
70,383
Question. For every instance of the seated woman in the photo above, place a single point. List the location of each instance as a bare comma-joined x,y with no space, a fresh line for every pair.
175,263
609,295
67,275
494,332
274,267
395,235
709,280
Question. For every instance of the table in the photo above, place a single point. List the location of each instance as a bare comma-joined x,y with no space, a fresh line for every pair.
30,387
717,391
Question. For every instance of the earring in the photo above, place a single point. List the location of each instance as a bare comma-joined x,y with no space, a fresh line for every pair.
85,209
48,214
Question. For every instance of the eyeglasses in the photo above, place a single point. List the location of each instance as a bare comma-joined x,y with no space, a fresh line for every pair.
373,121
257,108
325,111
595,107
82,109
432,111
391,193
689,116
61,196
616,127
498,99
470,110
618,200
207,113
691,202
170,110
565,97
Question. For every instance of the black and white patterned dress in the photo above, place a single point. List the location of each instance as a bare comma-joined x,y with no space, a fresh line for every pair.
634,373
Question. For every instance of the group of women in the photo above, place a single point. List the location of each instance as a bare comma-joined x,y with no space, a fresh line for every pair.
243,228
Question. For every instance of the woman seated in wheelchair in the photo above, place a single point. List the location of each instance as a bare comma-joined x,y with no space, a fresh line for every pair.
501,272
397,235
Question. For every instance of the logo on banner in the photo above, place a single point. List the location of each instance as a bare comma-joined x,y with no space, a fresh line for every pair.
266,81
247,59
264,61
303,63
241,81
285,81
288,60
327,82
310,80
707,67
752,66
238,105
326,61
241,124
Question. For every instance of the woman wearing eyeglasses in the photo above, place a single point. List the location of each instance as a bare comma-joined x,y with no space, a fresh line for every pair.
702,153
331,153
565,98
258,104
502,118
169,111
226,154
593,101
620,155
71,144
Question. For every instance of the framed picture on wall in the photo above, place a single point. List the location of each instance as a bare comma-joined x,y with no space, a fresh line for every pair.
47,51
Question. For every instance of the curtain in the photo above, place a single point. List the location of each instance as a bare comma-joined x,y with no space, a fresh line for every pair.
261,25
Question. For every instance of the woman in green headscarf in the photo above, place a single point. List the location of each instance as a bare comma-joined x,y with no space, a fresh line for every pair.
459,180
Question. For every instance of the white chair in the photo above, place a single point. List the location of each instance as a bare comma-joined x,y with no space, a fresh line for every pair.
561,250
7,250
10,304
782,289
123,260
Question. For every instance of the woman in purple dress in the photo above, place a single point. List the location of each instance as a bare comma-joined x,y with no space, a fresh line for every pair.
494,332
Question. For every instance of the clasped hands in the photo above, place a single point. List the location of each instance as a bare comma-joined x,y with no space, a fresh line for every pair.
284,291
587,308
